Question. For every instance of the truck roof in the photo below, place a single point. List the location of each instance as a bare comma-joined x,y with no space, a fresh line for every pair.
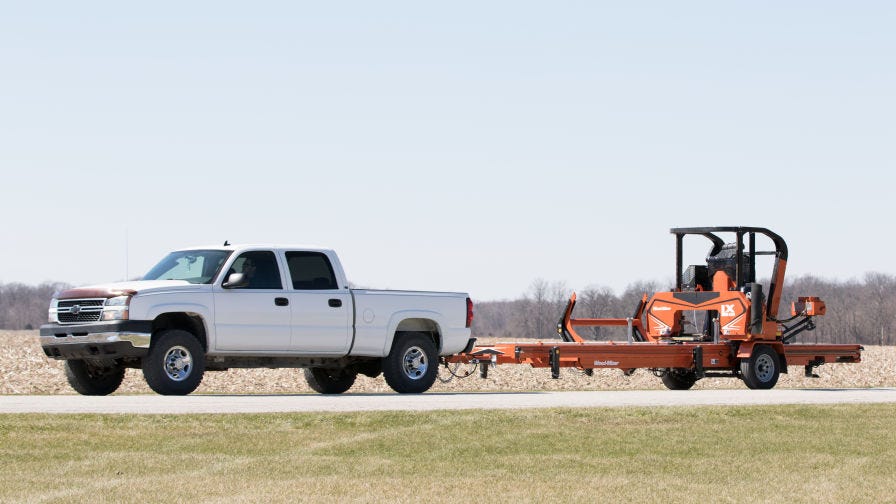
248,246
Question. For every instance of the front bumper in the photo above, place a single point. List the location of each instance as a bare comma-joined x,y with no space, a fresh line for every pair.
110,340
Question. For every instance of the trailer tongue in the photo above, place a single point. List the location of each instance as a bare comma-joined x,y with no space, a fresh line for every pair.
738,334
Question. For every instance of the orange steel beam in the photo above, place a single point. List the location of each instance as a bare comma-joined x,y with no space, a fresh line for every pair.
805,354
622,355
595,355
598,322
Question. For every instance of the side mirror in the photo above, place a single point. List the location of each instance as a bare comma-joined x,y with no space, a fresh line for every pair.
236,281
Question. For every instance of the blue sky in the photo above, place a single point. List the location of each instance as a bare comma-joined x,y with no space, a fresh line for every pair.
469,146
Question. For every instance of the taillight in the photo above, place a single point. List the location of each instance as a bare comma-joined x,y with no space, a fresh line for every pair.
469,312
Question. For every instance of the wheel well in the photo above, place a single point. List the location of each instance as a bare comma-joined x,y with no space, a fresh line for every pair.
189,322
420,325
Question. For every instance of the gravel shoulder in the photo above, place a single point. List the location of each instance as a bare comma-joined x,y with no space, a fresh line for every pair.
25,370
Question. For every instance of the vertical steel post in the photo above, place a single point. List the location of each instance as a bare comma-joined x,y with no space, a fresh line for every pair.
679,246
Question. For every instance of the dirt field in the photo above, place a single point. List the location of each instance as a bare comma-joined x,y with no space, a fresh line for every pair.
25,370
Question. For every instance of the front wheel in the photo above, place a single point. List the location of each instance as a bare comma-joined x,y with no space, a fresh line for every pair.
329,381
89,378
175,363
412,365
762,369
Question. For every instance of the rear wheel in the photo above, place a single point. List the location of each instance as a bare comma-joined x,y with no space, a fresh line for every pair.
94,378
679,379
412,365
329,381
175,363
762,369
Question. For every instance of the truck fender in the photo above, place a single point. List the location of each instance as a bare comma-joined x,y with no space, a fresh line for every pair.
200,310
398,317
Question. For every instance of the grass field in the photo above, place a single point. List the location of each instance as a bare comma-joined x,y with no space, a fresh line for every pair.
719,454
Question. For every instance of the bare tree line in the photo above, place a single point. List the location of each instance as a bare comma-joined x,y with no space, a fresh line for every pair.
858,311
25,306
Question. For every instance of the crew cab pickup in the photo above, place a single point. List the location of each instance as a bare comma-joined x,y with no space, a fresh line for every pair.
251,306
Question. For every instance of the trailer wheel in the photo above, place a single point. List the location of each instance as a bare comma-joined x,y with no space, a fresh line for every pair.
412,365
675,379
175,363
329,381
92,378
762,369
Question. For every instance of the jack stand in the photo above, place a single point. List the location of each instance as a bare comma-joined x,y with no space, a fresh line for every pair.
555,362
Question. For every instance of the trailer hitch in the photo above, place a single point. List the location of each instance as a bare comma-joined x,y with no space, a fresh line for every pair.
485,358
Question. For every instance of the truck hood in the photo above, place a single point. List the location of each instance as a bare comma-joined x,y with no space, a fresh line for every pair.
120,289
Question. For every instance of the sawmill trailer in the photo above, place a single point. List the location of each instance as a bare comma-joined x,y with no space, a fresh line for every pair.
717,321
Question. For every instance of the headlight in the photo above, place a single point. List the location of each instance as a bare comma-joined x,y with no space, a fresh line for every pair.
116,308
53,312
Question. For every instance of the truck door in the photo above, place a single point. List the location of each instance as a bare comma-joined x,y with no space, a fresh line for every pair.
257,316
321,311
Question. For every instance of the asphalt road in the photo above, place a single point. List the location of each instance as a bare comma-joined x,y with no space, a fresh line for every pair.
155,404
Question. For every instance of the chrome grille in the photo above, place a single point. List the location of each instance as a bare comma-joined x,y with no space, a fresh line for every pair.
74,311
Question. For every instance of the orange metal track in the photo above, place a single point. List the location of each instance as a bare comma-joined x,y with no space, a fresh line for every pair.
623,355
654,353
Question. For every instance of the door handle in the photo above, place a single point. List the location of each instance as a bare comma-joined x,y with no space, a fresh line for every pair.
281,301
335,303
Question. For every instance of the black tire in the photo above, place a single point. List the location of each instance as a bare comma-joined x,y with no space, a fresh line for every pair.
175,363
371,368
762,369
679,379
94,379
330,381
412,365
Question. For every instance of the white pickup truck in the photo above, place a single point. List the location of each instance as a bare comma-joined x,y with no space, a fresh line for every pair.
249,306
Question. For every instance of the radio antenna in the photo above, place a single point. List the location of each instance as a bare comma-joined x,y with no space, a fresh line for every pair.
126,254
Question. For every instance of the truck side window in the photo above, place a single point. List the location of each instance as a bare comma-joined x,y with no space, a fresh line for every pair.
261,268
310,271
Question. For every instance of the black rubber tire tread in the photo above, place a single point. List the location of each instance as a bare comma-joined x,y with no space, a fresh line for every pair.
371,369
393,364
678,380
153,363
90,380
330,381
750,372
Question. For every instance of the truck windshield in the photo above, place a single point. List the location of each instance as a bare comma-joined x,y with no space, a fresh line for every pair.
194,266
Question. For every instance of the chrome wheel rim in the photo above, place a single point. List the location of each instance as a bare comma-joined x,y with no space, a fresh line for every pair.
178,363
414,363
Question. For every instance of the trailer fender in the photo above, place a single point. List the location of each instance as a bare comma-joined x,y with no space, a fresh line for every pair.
745,350
782,356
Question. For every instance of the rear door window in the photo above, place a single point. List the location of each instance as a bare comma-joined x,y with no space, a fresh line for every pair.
311,271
